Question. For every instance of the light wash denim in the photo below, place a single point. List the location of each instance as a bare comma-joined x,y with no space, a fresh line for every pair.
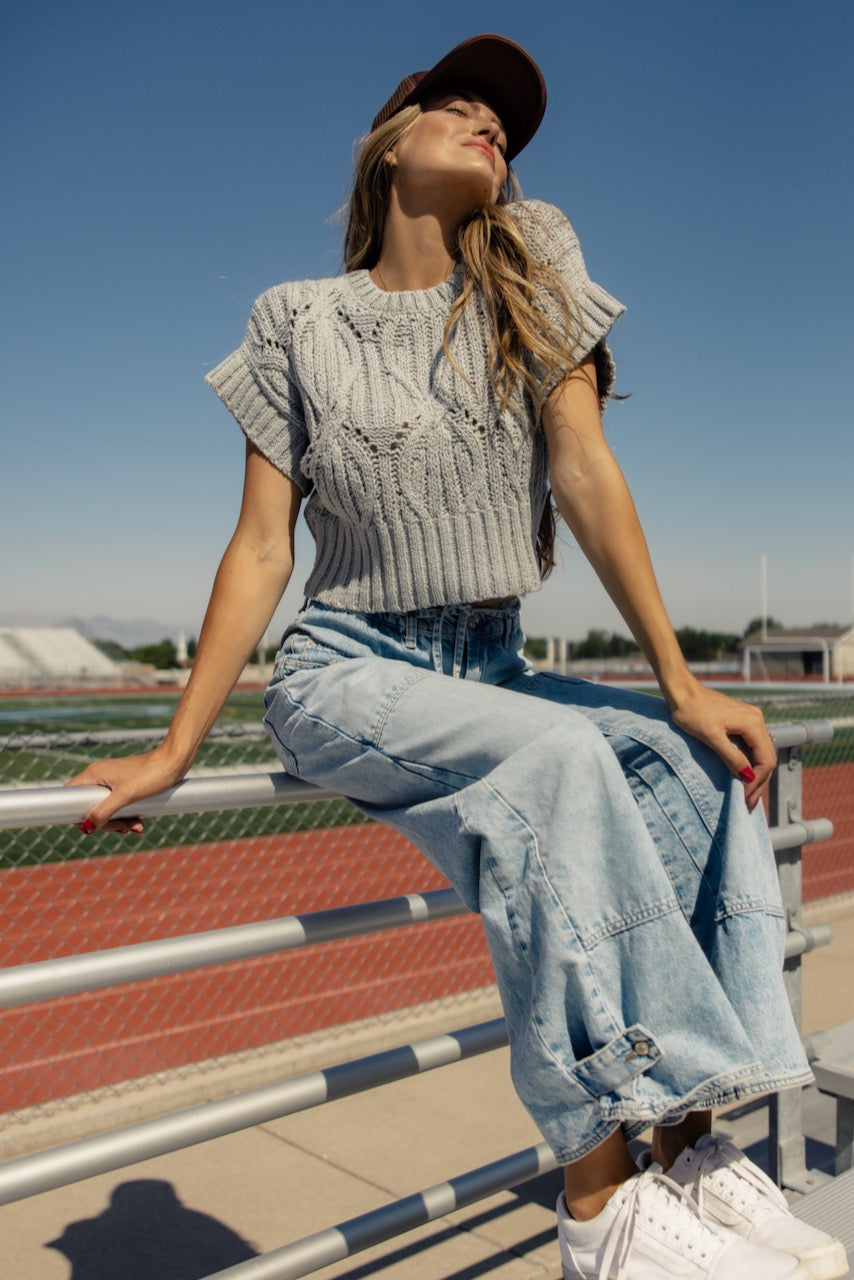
629,899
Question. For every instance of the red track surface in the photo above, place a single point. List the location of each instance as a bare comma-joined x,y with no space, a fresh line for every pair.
83,1042
829,866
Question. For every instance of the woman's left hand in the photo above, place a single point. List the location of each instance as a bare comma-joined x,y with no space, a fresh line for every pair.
735,730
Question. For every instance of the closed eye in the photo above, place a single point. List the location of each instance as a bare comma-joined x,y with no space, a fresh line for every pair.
463,108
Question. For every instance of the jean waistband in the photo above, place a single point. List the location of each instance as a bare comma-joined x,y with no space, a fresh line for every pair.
441,630
491,617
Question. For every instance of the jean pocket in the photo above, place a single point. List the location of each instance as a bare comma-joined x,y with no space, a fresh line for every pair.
302,653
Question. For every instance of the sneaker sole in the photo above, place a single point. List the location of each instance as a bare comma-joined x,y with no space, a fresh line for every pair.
801,1272
831,1264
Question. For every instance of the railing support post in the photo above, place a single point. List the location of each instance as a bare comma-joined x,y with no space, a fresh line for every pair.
786,1142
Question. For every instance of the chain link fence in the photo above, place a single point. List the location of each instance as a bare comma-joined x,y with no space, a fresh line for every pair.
192,873
62,893
828,781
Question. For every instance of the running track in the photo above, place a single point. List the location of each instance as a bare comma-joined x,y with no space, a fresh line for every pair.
66,1046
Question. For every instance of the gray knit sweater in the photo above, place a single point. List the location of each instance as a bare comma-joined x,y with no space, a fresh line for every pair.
422,490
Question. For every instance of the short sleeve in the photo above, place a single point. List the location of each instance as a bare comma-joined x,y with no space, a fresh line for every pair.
552,239
256,384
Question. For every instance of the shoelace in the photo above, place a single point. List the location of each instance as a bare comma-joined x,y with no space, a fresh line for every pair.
709,1159
650,1193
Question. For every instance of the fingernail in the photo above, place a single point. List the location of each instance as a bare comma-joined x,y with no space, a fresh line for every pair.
752,804
87,826
747,774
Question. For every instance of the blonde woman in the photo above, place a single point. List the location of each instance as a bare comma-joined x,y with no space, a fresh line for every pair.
431,404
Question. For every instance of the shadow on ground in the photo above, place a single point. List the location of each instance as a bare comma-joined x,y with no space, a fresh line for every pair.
146,1233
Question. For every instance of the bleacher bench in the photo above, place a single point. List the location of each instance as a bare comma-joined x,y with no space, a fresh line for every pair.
834,1074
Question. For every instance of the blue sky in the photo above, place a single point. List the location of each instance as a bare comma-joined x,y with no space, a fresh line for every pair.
165,162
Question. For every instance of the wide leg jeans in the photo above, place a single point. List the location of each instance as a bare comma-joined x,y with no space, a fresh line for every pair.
629,899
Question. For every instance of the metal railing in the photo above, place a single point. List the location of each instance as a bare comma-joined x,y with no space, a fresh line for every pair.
44,980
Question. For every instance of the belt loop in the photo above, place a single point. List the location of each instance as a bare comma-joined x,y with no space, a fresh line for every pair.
437,641
461,640
411,635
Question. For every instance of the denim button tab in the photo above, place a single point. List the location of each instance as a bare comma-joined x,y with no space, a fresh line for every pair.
610,1069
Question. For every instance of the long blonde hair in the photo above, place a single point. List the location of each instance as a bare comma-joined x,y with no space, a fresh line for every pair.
497,263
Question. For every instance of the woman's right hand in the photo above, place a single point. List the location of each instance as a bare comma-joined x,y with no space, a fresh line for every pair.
128,779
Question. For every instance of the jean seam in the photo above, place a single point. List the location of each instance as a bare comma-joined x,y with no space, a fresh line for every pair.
708,819
417,678
593,989
655,911
746,1083
732,908
686,845
271,729
412,767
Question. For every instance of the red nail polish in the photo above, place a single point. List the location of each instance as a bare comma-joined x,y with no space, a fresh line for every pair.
87,826
747,774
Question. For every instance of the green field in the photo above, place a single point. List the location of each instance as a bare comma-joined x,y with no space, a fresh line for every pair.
151,708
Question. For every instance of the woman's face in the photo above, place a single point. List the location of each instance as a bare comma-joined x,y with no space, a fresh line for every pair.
456,143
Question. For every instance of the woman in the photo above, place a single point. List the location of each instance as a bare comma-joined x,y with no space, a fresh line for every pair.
425,402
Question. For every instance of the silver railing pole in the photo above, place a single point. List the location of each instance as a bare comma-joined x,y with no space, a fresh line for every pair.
341,1241
93,970
57,806
47,1170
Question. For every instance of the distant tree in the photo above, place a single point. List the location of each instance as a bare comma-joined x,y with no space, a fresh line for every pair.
621,646
162,655
603,644
112,649
705,646
756,624
592,646
535,647
192,646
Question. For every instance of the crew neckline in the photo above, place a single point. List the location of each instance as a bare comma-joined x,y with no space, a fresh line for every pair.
445,290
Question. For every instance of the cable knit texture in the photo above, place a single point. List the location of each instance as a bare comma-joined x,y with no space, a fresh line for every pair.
421,489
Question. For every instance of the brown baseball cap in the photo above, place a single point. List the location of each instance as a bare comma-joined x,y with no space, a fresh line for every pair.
498,70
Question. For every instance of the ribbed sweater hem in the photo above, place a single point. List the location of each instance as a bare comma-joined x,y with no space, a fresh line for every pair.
390,568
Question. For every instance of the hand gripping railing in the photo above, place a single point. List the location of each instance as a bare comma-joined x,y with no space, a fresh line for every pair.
58,806
31,1174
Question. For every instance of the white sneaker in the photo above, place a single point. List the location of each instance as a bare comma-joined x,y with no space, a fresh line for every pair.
651,1230
730,1191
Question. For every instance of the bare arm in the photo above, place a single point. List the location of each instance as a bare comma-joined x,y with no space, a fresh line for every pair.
250,581
594,500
